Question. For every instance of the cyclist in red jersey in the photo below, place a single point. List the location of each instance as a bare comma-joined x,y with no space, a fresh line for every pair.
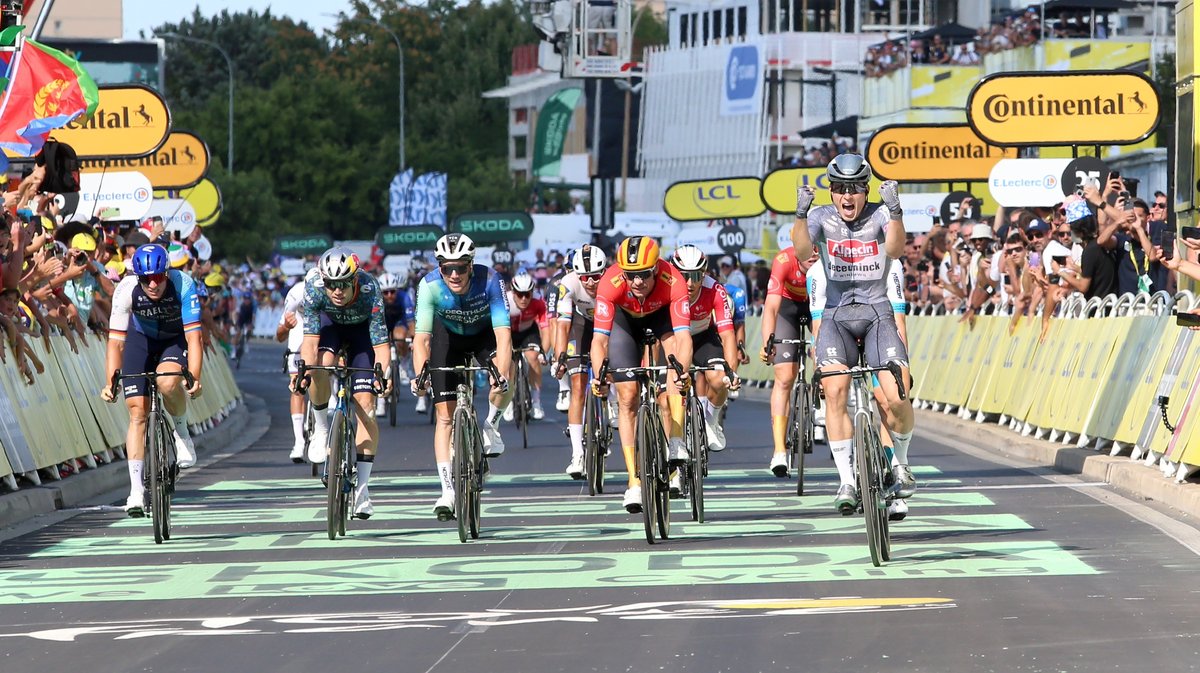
785,314
530,327
639,293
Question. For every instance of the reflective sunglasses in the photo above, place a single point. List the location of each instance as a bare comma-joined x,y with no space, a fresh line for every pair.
848,188
693,276
522,295
156,278
452,269
339,284
591,277
1014,251
638,275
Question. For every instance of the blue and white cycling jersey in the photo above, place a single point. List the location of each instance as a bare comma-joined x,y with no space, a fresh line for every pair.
175,314
366,306
738,296
483,306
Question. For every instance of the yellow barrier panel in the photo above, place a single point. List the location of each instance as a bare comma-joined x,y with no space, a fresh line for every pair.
1011,366
1145,389
1094,370
994,328
1021,404
1131,357
1095,341
1178,392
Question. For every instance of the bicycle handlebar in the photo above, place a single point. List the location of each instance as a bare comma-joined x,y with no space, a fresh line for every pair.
303,380
892,368
117,377
426,375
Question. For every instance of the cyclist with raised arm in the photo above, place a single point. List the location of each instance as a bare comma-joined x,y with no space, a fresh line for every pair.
530,325
856,241
641,293
712,337
154,326
399,314
343,310
291,330
574,326
462,311
785,314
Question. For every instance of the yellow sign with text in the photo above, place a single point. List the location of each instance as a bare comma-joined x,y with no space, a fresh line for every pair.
180,163
933,153
1064,108
714,199
779,188
204,197
131,120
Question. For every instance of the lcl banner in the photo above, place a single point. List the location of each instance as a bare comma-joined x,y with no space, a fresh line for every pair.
715,199
779,188
933,153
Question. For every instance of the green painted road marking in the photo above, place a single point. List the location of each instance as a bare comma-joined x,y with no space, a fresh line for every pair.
243,541
408,575
609,506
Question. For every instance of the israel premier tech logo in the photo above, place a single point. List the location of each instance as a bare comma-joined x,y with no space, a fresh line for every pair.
741,73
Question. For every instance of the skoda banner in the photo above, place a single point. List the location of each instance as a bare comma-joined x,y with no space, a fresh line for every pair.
131,120
299,246
396,240
742,81
181,162
1027,182
127,193
715,199
492,228
552,125
779,188
1064,108
933,153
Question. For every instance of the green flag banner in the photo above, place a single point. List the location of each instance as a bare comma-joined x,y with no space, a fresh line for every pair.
395,240
553,123
488,228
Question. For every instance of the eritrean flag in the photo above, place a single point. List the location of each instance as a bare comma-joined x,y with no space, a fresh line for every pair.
44,90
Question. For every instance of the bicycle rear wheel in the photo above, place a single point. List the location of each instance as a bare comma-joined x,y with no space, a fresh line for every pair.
460,448
393,398
874,508
648,472
591,446
154,456
801,430
333,475
523,408
697,443
478,463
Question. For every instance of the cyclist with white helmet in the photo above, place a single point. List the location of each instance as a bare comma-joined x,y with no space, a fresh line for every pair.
399,315
343,310
462,311
291,330
573,339
712,337
856,241
529,321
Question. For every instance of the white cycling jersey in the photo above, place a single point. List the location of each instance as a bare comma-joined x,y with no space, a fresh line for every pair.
574,300
852,254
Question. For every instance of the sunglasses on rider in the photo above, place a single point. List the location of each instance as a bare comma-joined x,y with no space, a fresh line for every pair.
339,284
452,269
389,291
522,295
848,188
156,278
693,276
591,277
638,275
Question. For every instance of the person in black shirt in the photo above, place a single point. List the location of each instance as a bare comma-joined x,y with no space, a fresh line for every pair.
1096,273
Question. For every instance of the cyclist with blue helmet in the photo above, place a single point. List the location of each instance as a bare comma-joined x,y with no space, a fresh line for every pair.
155,326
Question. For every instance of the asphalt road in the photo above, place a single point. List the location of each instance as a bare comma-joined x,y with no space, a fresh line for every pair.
997,568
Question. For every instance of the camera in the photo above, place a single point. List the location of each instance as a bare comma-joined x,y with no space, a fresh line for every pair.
922,266
80,259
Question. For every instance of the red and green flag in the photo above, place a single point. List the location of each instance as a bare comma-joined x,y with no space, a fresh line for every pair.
44,90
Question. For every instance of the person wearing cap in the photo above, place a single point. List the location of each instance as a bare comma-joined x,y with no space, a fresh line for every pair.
979,280
733,275
82,277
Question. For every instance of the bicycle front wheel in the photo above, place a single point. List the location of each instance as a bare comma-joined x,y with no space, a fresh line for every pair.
801,430
648,472
333,475
591,446
393,398
697,443
461,439
869,494
155,453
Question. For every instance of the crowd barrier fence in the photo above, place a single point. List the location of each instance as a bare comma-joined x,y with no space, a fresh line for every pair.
61,417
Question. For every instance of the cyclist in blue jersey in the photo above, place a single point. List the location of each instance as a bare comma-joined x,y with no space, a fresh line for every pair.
165,336
462,311
737,296
343,310
399,314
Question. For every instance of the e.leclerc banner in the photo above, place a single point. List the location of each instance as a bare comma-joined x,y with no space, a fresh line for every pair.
554,121
396,240
715,199
299,246
487,228
933,153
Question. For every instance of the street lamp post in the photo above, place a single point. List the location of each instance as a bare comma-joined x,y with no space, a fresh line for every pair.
400,51
229,64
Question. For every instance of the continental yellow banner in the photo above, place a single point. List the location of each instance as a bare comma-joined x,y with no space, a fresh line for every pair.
943,85
1104,55
1064,108
181,162
131,120
779,188
715,199
205,199
933,153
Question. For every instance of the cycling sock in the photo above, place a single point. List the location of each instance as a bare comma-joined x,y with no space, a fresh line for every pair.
444,473
494,415
675,403
135,475
536,396
181,427
365,463
321,418
778,432
709,408
298,427
564,385
576,432
630,453
902,441
841,458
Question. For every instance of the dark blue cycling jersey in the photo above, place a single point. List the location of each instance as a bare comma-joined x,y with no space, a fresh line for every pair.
483,306
176,313
738,296
399,311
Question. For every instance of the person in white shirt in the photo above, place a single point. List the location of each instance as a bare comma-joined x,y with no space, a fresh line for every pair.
291,330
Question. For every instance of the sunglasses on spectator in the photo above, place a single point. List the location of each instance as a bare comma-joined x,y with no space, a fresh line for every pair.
389,292
848,188
1037,233
1160,204
1014,251
452,269
638,275
339,284
1063,233
156,278
591,277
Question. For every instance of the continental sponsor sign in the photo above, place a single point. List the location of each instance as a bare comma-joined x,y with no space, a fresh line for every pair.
933,153
779,188
131,120
180,163
715,199
1064,108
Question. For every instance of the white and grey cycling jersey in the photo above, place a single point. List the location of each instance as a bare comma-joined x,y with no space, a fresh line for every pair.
852,254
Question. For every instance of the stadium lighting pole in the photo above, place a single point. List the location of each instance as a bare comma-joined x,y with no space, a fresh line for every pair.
229,64
400,51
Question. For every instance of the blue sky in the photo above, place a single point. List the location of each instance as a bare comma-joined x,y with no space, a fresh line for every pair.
145,15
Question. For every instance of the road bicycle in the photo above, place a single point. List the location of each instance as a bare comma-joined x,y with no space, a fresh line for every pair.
597,431
469,464
695,436
522,402
307,427
161,468
799,438
871,462
339,473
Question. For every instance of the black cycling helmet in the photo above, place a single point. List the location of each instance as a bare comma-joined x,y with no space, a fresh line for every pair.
848,168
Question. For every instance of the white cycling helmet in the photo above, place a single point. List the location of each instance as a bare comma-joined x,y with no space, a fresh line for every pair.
522,282
389,281
689,258
589,259
453,247
337,264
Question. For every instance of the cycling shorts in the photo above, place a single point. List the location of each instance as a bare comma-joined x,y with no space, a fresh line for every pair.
707,348
356,340
791,322
530,336
449,349
873,325
628,338
579,343
143,354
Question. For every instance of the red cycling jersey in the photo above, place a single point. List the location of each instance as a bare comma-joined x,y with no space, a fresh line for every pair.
669,290
787,280
534,313
712,303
